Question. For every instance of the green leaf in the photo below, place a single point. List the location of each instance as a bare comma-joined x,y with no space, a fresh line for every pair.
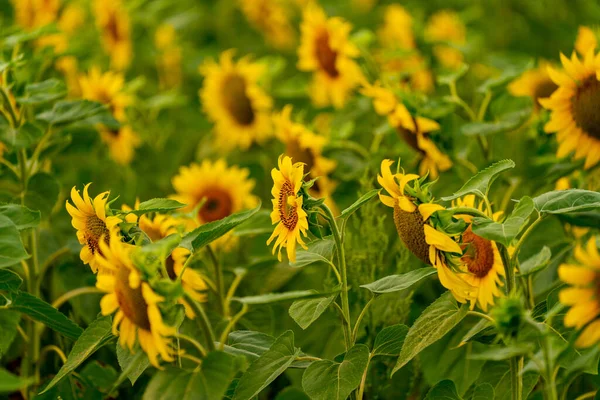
477,330
305,312
11,246
537,262
135,363
437,320
508,230
207,233
330,380
480,183
503,353
9,321
9,280
251,344
567,201
506,123
21,216
11,383
267,367
157,205
317,251
149,257
396,283
20,138
364,199
96,335
42,193
389,340
452,76
444,390
43,92
509,72
82,112
483,391
270,298
25,36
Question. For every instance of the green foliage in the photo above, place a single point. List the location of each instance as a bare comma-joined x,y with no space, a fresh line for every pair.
567,201
508,230
479,184
443,390
396,283
305,312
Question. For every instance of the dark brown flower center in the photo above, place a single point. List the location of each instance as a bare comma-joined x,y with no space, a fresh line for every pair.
298,154
131,301
287,213
170,264
410,229
218,205
236,100
544,89
95,229
478,254
112,27
409,138
586,106
326,55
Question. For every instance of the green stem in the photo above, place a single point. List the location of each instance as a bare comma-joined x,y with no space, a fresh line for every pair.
480,315
529,229
461,102
514,378
550,385
74,293
202,321
363,381
193,342
508,268
359,319
468,211
484,105
218,279
231,292
230,326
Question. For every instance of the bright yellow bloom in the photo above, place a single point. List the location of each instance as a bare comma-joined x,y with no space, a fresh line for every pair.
291,219
67,65
397,29
121,143
138,316
113,22
31,14
535,83
326,50
72,17
586,40
106,88
582,295
446,26
169,56
574,107
271,18
92,224
234,101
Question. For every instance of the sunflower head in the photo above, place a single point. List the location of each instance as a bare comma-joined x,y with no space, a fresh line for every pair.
586,40
272,19
106,88
31,14
508,315
397,29
446,26
535,83
121,142
113,22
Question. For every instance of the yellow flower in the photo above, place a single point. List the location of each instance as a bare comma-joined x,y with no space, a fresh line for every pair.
586,40
535,83
574,107
291,219
397,29
271,18
138,316
121,142
92,224
169,56
67,65
113,22
582,295
235,102
106,88
71,19
412,222
31,14
326,51
446,26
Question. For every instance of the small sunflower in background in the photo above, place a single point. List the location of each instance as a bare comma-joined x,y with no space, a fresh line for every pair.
169,56
113,22
413,211
326,51
31,14
574,108
121,142
138,316
291,219
71,18
583,278
446,27
91,222
235,102
413,130
586,40
272,19
69,67
535,83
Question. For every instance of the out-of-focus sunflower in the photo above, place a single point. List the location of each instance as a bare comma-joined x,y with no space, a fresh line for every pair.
535,83
72,17
397,29
582,295
31,14
446,26
234,101
106,88
68,66
272,19
138,316
564,183
413,130
586,40
326,50
113,22
92,224
291,219
574,107
412,220
169,56
121,142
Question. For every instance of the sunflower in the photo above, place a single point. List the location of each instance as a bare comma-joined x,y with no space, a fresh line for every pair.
235,102
414,130
106,88
326,51
113,22
31,14
68,66
169,56
397,29
121,143
72,17
535,83
92,224
583,295
291,219
412,218
271,18
446,26
481,260
586,40
138,315
574,107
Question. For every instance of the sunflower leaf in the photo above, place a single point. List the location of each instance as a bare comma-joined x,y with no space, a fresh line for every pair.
536,262
318,250
270,298
21,216
396,283
306,311
389,340
11,246
132,364
9,322
567,201
364,199
480,183
43,92
9,280
506,231
11,383
156,205
443,390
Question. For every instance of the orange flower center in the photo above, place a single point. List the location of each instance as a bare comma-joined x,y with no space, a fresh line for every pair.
131,301
478,254
218,205
287,212
585,105
410,229
236,100
95,229
326,55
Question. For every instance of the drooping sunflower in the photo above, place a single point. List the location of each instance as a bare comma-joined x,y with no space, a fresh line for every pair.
121,142
113,22
582,295
586,40
92,224
574,107
31,14
291,219
414,130
326,50
446,26
272,19
138,316
535,83
106,88
169,56
412,218
234,101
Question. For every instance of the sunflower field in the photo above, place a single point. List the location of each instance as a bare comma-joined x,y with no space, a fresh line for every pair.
299,199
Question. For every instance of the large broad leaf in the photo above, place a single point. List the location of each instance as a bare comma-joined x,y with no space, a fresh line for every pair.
389,340
444,390
21,216
9,321
43,312
11,383
42,193
9,280
330,380
210,232
437,320
396,283
305,312
483,391
157,205
97,334
43,92
480,183
22,137
210,382
82,112
567,201
11,246
267,367
250,344
505,123
364,199
537,262
135,363
503,353
317,251
508,230
270,298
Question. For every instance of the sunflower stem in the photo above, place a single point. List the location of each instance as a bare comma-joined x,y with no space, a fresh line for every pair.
360,317
514,378
74,293
203,322
231,325
218,280
193,342
508,268
522,239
